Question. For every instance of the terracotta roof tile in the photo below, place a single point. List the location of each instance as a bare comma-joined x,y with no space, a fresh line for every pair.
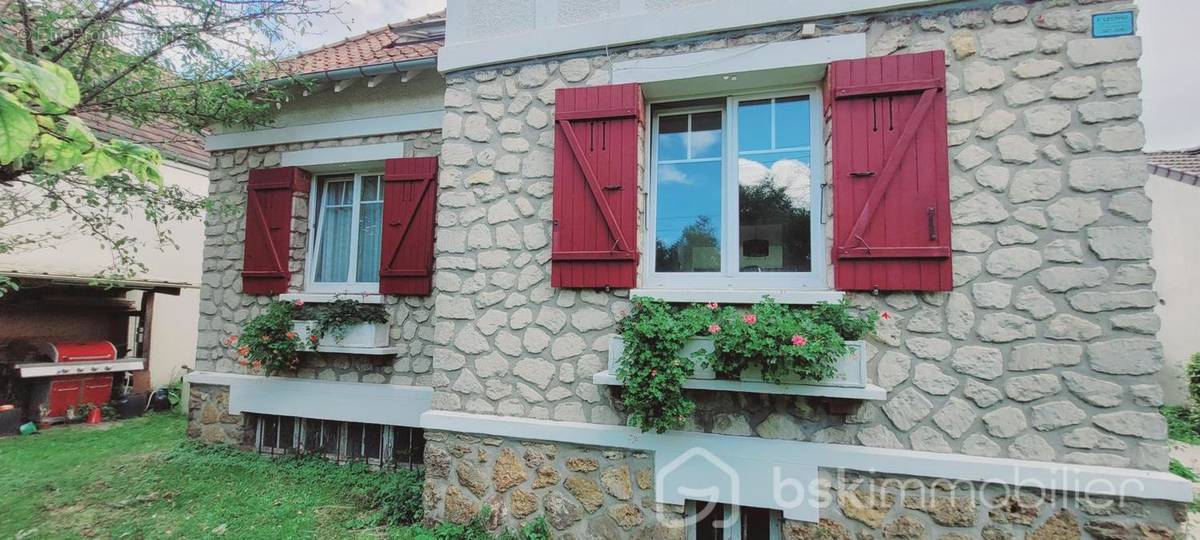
174,144
1182,165
373,47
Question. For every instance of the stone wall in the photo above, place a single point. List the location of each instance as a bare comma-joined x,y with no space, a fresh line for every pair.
585,492
1044,351
209,419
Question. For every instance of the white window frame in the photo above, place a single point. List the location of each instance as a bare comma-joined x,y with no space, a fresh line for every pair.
315,227
730,278
730,510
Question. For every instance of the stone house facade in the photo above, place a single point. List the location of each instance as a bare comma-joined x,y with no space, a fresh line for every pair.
1031,367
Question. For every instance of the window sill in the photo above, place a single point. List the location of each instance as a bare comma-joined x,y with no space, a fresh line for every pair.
869,393
321,298
741,296
365,351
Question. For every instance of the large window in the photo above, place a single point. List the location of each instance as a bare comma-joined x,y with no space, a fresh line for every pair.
735,193
347,222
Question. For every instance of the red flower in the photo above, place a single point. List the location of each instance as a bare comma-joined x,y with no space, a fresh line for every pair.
291,335
231,340
314,339
714,328
256,364
244,351
244,362
749,318
712,305
798,340
885,316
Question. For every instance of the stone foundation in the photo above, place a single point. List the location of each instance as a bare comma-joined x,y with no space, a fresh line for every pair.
587,492
209,419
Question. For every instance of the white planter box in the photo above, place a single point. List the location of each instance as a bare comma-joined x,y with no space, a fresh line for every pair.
616,348
365,335
851,370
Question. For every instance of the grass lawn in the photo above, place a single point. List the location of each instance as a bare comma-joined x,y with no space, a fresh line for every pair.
138,479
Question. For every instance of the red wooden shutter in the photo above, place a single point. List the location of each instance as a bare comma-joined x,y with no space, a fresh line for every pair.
891,176
596,137
269,202
409,200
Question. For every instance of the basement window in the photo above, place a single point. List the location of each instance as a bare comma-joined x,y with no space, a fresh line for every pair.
343,442
717,521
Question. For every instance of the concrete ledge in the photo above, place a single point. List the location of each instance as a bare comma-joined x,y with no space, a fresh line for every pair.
1085,479
385,404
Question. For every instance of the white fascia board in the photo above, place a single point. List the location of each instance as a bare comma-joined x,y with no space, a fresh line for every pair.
364,127
1086,479
643,26
745,58
342,155
385,404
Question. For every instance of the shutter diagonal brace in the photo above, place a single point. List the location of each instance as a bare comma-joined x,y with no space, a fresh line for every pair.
262,222
594,186
890,167
404,224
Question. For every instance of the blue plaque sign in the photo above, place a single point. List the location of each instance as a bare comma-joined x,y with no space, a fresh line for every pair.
1114,24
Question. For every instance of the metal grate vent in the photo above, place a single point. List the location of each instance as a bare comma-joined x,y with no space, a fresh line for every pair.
342,442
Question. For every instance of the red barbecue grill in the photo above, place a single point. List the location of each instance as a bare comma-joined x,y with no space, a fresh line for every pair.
77,373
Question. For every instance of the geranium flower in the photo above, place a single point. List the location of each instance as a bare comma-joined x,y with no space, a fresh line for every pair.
244,351
314,339
298,303
244,362
798,340
750,318
256,364
712,305
291,335
714,328
231,340
885,316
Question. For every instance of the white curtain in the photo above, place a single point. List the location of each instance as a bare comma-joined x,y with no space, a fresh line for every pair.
333,259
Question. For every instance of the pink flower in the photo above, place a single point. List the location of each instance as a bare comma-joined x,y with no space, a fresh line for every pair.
749,318
885,316
712,305
714,328
798,340
298,303
231,340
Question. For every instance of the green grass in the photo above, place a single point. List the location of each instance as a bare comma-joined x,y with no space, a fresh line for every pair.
1182,471
1181,424
137,479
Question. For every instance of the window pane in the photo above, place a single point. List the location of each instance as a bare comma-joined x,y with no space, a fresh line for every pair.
709,520
756,523
792,122
372,189
688,217
774,199
333,249
370,224
706,135
672,137
754,125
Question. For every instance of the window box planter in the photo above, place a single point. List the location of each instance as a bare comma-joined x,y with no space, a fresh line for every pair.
850,382
357,336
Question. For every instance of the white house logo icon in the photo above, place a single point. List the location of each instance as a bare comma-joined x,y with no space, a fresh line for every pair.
697,475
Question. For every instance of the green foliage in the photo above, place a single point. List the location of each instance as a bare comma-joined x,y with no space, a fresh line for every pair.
651,368
1193,372
332,318
781,341
476,529
267,341
1181,424
1182,471
395,497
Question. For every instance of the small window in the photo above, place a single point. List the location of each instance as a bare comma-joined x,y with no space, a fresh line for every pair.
346,227
735,194
715,521
373,444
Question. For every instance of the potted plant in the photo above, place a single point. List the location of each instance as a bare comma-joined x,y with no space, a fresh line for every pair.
341,323
661,346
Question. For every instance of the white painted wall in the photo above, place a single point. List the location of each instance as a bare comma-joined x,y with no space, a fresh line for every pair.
176,318
1177,260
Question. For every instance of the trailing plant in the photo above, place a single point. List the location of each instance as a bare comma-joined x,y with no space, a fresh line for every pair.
651,368
781,341
267,341
332,318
